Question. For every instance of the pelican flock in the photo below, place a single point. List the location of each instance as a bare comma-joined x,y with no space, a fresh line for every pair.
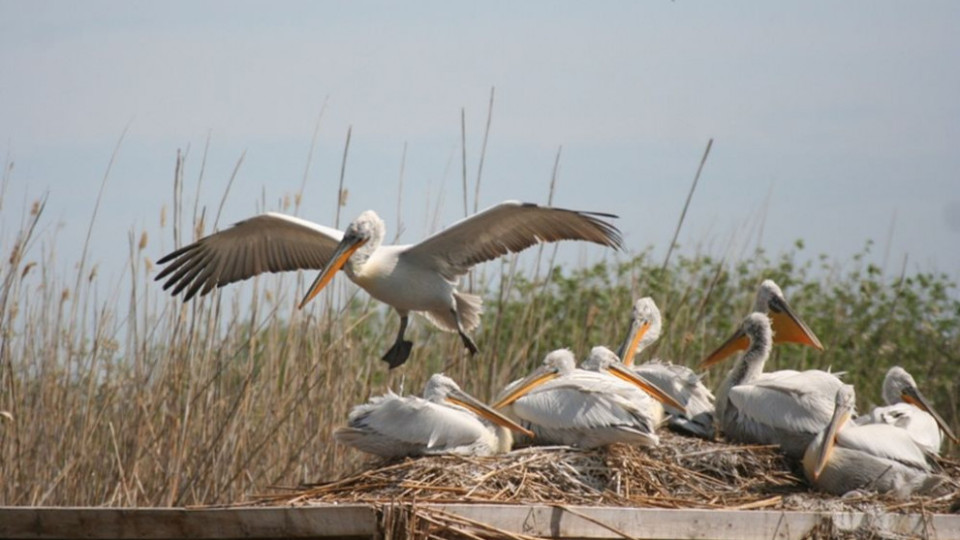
411,278
810,415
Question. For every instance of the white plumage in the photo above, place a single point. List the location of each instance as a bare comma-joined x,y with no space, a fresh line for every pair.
786,407
583,408
445,420
908,409
421,277
875,457
680,382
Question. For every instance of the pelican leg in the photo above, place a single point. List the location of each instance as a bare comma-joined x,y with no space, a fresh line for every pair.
400,350
467,342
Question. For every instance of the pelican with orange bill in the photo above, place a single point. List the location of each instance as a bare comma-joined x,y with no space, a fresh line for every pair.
446,420
846,456
785,407
787,325
909,409
586,408
411,278
678,380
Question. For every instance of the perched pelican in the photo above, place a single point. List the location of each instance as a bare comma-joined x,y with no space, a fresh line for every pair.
787,326
909,409
446,420
784,407
680,382
874,457
420,277
585,408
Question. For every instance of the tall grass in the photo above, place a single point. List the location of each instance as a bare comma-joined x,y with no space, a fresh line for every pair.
149,401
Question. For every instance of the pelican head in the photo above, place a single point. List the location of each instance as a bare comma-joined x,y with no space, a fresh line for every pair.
755,331
603,359
787,326
843,409
899,386
644,329
362,237
556,364
443,390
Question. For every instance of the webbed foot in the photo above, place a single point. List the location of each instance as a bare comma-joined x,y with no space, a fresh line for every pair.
398,354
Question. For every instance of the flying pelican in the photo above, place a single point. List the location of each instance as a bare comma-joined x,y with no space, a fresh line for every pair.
784,407
420,277
680,382
909,409
446,420
585,408
787,326
875,457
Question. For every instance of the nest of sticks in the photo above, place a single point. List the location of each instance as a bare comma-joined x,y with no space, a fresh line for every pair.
683,472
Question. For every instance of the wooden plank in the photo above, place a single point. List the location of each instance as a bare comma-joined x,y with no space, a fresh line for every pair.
645,523
354,520
360,521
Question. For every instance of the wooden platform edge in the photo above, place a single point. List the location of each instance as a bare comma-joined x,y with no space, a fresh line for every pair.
646,523
340,521
360,521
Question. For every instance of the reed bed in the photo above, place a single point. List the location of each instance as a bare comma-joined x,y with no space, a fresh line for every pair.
114,394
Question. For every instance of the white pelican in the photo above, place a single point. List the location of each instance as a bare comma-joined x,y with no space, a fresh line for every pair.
907,408
874,457
787,326
446,420
784,407
680,382
583,408
420,277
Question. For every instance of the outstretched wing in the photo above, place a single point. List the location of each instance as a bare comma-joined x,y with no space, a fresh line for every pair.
508,227
269,242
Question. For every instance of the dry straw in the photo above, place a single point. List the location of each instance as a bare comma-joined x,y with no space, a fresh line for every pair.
683,472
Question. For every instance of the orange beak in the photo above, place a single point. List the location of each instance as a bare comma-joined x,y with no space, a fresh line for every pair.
467,401
535,379
628,375
840,417
914,397
339,258
629,347
737,342
788,328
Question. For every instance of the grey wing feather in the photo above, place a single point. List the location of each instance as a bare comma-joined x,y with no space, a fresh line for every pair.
884,441
508,227
682,384
266,243
801,403
584,402
393,425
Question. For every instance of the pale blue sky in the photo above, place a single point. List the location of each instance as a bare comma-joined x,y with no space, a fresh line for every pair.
847,116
